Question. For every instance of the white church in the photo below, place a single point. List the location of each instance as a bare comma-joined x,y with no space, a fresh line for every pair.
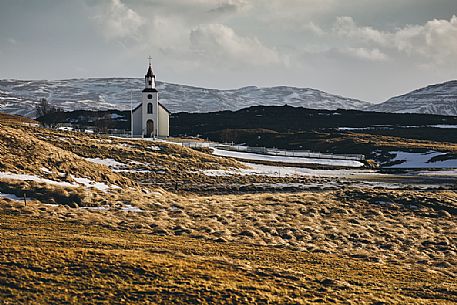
150,117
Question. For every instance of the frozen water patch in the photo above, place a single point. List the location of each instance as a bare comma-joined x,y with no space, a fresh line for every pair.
439,173
444,126
420,160
277,171
290,160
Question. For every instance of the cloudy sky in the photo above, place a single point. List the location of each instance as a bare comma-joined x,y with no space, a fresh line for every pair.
366,49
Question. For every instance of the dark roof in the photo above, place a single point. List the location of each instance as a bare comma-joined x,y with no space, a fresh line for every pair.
137,107
150,73
160,104
150,90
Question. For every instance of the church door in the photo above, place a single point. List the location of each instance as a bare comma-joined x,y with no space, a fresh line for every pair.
149,128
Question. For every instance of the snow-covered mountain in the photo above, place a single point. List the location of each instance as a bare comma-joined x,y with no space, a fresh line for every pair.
19,97
435,99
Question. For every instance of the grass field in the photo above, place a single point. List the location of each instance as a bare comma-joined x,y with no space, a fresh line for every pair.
121,221
44,261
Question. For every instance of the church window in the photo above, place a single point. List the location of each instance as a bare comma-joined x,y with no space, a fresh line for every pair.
150,108
150,83
149,96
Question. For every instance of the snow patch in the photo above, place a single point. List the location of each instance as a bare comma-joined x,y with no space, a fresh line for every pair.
97,185
25,177
107,162
124,208
154,147
420,160
12,197
100,208
65,128
131,208
45,170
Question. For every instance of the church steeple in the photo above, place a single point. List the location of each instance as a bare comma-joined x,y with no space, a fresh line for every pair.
150,78
150,73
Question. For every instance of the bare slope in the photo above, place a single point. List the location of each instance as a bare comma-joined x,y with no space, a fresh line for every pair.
435,99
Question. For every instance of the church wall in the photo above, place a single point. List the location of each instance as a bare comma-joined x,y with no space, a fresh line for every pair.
137,122
164,123
146,116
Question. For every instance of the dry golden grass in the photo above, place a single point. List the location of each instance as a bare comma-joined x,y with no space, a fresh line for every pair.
157,154
348,246
392,227
15,119
401,143
146,162
21,152
44,262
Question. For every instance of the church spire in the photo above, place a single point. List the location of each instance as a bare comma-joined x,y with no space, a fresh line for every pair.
150,73
149,78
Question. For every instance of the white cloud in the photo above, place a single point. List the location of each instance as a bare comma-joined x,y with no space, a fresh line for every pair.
119,21
221,43
230,6
436,40
313,28
364,54
346,27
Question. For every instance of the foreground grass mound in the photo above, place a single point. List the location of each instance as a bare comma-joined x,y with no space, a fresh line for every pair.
23,153
51,262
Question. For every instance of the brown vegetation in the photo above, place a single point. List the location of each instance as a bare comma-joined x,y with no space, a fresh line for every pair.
79,244
61,262
380,141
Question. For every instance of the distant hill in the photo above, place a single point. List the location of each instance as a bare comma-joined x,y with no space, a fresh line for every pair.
19,96
435,99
